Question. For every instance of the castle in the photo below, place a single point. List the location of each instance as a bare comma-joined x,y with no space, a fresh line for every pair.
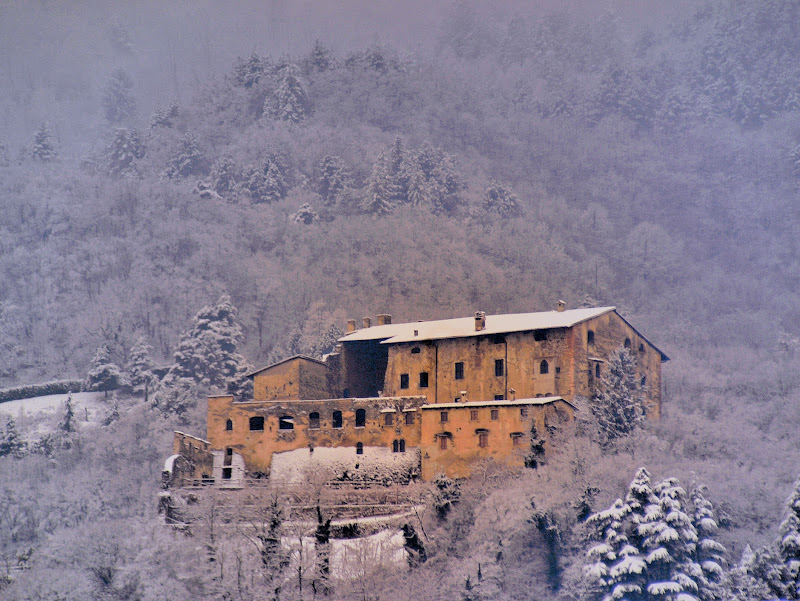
438,396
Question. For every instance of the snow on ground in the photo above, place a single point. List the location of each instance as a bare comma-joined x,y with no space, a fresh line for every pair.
93,405
376,463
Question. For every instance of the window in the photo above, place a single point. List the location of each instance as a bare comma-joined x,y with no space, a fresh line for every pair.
313,420
227,473
483,438
473,415
443,443
444,417
346,393
641,347
499,367
558,370
540,335
286,422
597,370
460,370
229,451
516,439
644,381
498,338
359,448
229,425
402,445
415,350
409,418
257,423
403,380
627,343
523,412
423,379
395,446
361,418
337,419
499,397
388,419
495,415
590,337
544,367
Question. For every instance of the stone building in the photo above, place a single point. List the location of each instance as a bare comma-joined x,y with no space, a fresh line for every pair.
454,392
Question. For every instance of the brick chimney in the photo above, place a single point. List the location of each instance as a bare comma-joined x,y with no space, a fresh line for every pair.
480,321
351,326
561,306
384,319
367,322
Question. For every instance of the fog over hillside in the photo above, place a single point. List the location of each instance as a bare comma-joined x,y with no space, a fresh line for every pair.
319,161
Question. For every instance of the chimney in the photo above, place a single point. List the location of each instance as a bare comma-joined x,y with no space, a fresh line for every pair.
561,306
480,321
351,326
384,319
367,322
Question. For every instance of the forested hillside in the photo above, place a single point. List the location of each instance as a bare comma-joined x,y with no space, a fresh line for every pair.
494,160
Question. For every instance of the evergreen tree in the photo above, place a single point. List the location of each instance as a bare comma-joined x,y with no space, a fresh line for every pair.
378,191
442,181
305,215
140,363
187,160
289,101
265,184
398,172
118,103
164,117
710,554
123,152
619,404
225,177
104,375
11,443
247,73
741,583
44,145
333,179
320,59
789,546
501,200
206,356
67,424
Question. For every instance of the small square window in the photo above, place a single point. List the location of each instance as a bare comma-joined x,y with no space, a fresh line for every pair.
473,415
423,379
403,380
444,417
460,370
540,335
257,423
523,412
499,367
499,397
495,414
415,350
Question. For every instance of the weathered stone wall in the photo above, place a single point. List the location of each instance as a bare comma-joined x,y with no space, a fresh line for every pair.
197,460
508,437
257,446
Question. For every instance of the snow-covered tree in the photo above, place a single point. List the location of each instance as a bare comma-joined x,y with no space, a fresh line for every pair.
710,554
446,493
265,184
501,200
741,582
67,423
118,103
225,177
619,402
247,73
44,147
289,101
104,375
305,215
789,545
206,356
378,191
10,442
164,116
320,59
125,149
140,363
188,158
334,178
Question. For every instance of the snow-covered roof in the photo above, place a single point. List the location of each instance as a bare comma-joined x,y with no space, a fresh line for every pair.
463,327
545,400
281,362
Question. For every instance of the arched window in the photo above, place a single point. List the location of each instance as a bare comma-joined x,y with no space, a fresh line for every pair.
483,438
590,336
286,422
361,418
544,367
597,370
402,445
409,418
229,425
313,420
359,448
257,423
388,419
628,343
337,419
395,446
